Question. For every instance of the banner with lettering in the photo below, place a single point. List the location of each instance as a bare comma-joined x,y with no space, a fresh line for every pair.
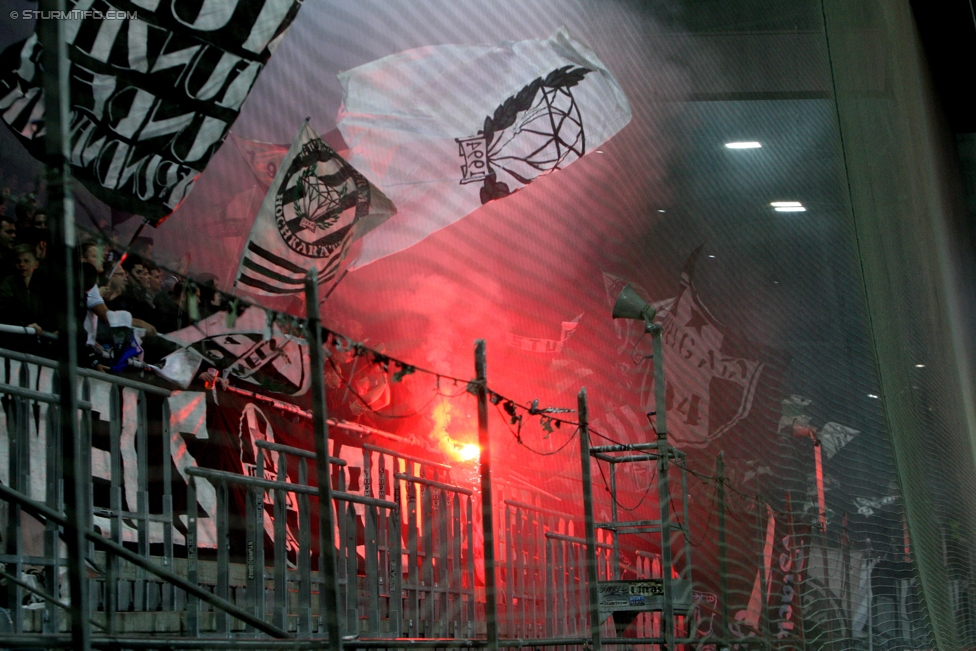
712,376
154,89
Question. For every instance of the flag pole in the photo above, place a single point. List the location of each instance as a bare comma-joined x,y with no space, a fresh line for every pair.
664,492
128,246
329,604
723,561
592,575
487,514
334,285
62,224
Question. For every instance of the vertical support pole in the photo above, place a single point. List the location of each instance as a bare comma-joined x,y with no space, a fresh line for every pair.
822,513
614,515
763,574
320,427
168,591
664,493
723,558
192,567
60,210
222,589
797,576
846,591
821,502
487,515
591,567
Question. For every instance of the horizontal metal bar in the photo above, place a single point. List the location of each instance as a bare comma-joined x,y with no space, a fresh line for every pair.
571,539
414,643
405,457
298,411
131,515
368,501
629,459
433,484
29,394
40,510
26,330
54,641
85,372
537,509
633,447
43,595
630,447
298,452
49,641
626,525
267,484
38,396
365,429
634,530
287,487
125,382
48,560
518,643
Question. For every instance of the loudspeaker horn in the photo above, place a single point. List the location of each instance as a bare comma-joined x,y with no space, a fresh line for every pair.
631,306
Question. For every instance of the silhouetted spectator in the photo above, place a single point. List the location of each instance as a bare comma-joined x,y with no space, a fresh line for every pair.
91,252
136,298
142,247
24,211
38,239
24,299
8,238
40,221
211,300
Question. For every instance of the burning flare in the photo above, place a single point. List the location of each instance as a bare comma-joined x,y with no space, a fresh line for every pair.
457,450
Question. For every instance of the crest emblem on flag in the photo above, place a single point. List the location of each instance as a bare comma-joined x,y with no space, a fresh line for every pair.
316,206
319,200
534,132
441,152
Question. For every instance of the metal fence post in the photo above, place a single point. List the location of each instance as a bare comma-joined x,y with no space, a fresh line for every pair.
320,425
723,561
664,492
591,568
61,218
487,515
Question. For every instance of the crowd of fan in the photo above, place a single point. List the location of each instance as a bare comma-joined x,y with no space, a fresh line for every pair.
122,293
24,273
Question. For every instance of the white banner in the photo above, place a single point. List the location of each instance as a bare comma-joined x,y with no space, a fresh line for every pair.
316,206
447,128
154,88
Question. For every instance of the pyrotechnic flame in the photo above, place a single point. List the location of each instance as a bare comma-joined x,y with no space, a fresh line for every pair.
457,450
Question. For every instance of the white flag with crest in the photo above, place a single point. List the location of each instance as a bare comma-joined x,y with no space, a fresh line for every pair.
317,205
445,129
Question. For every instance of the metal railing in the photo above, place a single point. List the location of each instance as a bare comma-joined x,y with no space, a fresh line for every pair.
407,548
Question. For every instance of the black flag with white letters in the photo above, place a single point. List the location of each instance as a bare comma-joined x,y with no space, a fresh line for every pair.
153,91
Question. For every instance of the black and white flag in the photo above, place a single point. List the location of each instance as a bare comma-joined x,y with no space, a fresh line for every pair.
154,88
317,205
447,128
